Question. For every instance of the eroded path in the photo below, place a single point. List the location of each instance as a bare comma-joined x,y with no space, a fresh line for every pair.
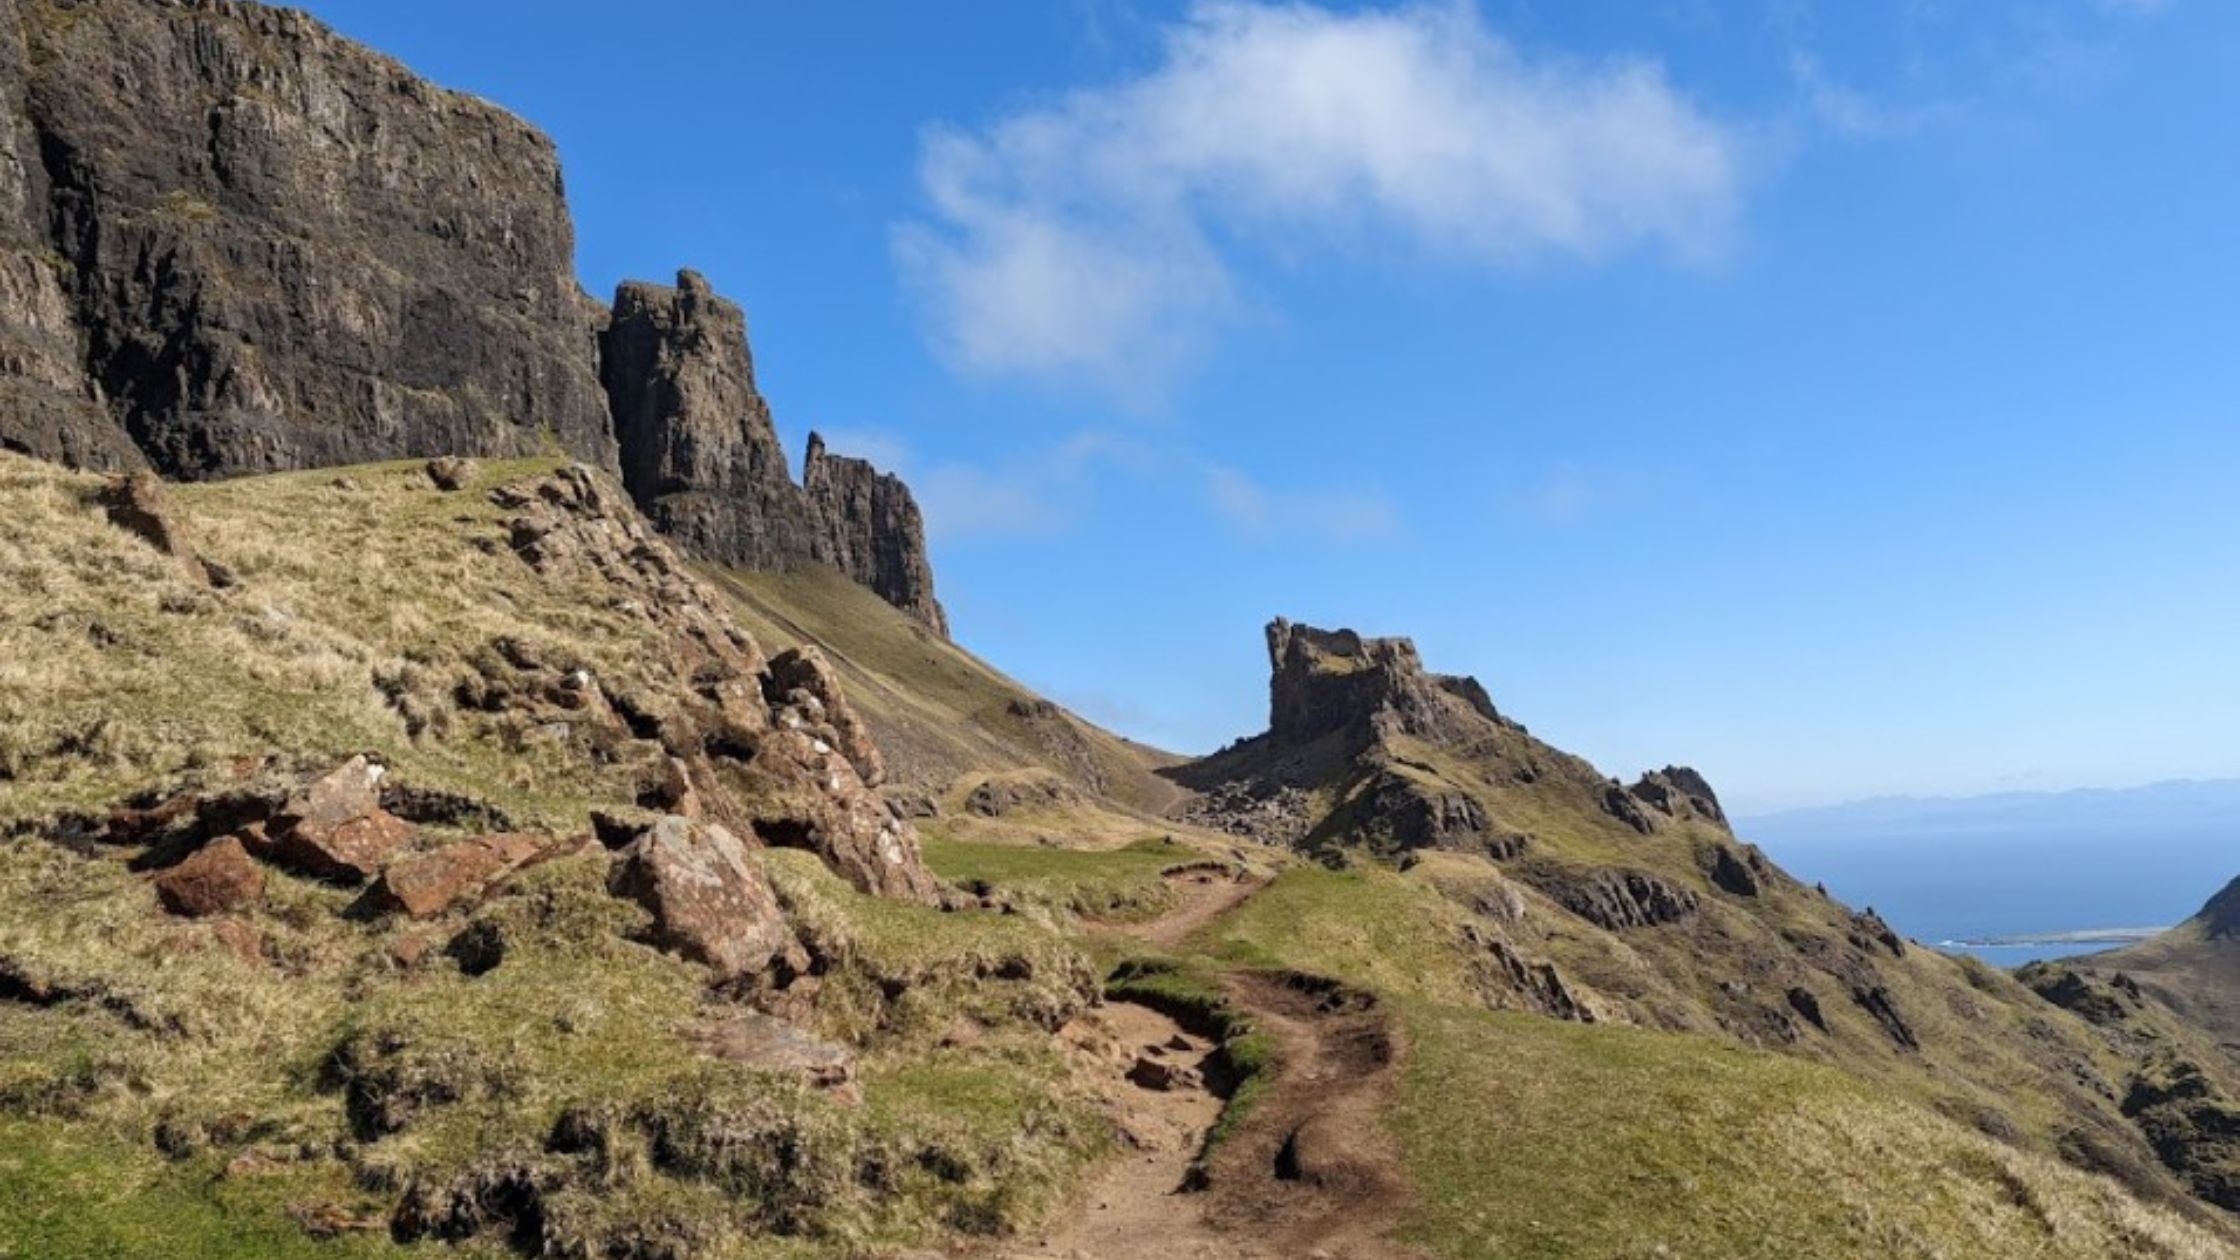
1306,1175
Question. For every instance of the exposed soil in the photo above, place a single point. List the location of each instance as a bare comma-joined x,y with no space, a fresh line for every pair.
1307,1176
1310,1172
1202,895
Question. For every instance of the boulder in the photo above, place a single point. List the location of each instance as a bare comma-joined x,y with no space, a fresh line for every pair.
997,797
216,879
335,829
708,902
805,795
451,472
1156,1072
1807,1006
134,502
427,884
803,678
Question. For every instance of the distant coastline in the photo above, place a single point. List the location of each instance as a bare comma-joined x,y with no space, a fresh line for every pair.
2089,936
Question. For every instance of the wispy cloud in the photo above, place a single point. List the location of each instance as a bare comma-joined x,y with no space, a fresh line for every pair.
1047,488
1095,239
1850,112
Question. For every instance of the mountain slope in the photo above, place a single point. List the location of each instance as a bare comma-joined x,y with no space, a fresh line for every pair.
1571,895
229,247
944,717
327,873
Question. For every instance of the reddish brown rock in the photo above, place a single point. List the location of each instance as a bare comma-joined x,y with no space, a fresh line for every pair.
216,879
349,854
335,828
802,678
239,939
806,795
708,903
427,884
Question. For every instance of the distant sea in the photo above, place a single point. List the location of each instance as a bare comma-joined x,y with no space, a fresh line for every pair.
2018,864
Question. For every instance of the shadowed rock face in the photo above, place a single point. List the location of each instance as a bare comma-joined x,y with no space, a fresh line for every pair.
281,251
2221,917
870,529
699,452
233,242
1325,682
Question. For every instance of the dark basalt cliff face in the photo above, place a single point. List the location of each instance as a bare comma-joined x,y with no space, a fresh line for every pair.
233,242
872,531
1335,682
699,452
283,251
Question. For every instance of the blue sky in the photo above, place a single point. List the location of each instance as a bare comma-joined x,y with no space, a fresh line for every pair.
1843,398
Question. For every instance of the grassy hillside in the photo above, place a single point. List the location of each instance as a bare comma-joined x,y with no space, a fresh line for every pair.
524,1071
522,1065
1530,1137
940,713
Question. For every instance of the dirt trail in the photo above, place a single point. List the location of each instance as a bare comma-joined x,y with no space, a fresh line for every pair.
1203,894
1305,1176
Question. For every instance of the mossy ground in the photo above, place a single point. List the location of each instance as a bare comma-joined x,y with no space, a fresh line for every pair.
1110,885
331,1074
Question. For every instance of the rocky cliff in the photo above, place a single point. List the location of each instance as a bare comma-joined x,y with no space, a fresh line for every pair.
871,530
699,451
232,241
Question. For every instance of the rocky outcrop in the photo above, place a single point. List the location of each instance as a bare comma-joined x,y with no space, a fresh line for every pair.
1618,900
283,251
1876,1001
1395,812
2192,1124
1335,682
1678,792
702,458
757,749
868,527
801,678
1744,874
699,452
707,902
233,242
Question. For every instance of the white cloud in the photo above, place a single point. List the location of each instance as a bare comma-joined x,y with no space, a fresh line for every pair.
1094,238
1045,490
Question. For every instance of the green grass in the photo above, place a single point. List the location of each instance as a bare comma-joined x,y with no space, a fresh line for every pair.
1369,927
939,712
1110,884
1535,1140
73,1192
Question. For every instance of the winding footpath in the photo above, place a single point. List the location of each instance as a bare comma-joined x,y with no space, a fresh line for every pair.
1306,1177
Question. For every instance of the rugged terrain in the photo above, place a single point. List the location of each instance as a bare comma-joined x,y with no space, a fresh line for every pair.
476,802
233,242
